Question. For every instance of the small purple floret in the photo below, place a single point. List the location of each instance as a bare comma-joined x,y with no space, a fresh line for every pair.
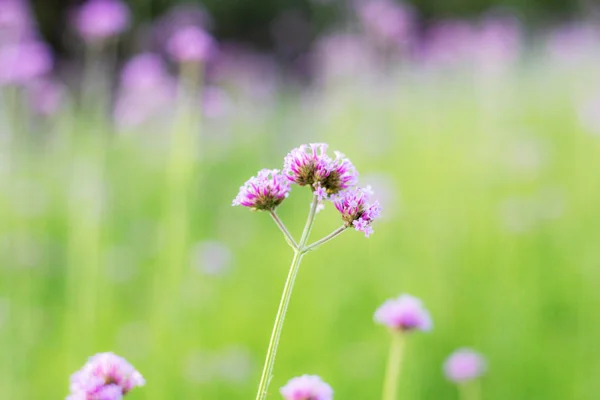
464,365
21,62
405,313
105,376
307,387
265,191
356,209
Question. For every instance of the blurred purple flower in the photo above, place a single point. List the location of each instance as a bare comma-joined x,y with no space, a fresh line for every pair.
307,387
464,365
191,44
101,19
212,257
343,55
497,42
265,191
404,313
16,22
145,92
252,74
357,210
105,376
24,61
386,21
447,44
45,96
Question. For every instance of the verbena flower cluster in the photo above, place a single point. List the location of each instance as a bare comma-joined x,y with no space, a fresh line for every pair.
330,178
307,387
464,365
404,313
105,376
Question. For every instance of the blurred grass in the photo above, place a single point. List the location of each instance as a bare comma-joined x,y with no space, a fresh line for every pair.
491,219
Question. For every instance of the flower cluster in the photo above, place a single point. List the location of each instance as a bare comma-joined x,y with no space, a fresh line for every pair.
330,178
464,365
264,192
405,313
307,387
356,210
105,376
310,165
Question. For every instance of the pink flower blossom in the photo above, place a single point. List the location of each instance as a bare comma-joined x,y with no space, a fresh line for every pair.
265,191
464,365
356,209
105,376
404,313
307,387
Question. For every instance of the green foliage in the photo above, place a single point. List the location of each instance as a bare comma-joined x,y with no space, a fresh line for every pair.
494,225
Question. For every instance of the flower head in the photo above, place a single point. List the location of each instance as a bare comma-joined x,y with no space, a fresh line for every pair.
265,191
307,164
356,210
101,19
105,376
191,44
405,313
464,365
307,387
310,165
24,61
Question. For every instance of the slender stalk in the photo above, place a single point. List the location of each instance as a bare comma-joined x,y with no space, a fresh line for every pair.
267,372
469,391
390,384
288,236
309,222
326,239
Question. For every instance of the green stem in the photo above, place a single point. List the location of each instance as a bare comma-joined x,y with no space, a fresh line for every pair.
288,236
267,372
390,384
299,251
309,222
469,391
326,239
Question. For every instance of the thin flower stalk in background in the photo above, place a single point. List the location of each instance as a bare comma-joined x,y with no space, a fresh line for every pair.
402,315
311,166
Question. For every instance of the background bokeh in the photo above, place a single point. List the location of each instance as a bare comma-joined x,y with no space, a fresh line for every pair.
117,231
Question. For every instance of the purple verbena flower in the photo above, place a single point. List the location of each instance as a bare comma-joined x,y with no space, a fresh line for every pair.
191,44
24,61
464,365
307,387
310,165
105,376
404,313
356,210
307,164
101,19
342,174
265,191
